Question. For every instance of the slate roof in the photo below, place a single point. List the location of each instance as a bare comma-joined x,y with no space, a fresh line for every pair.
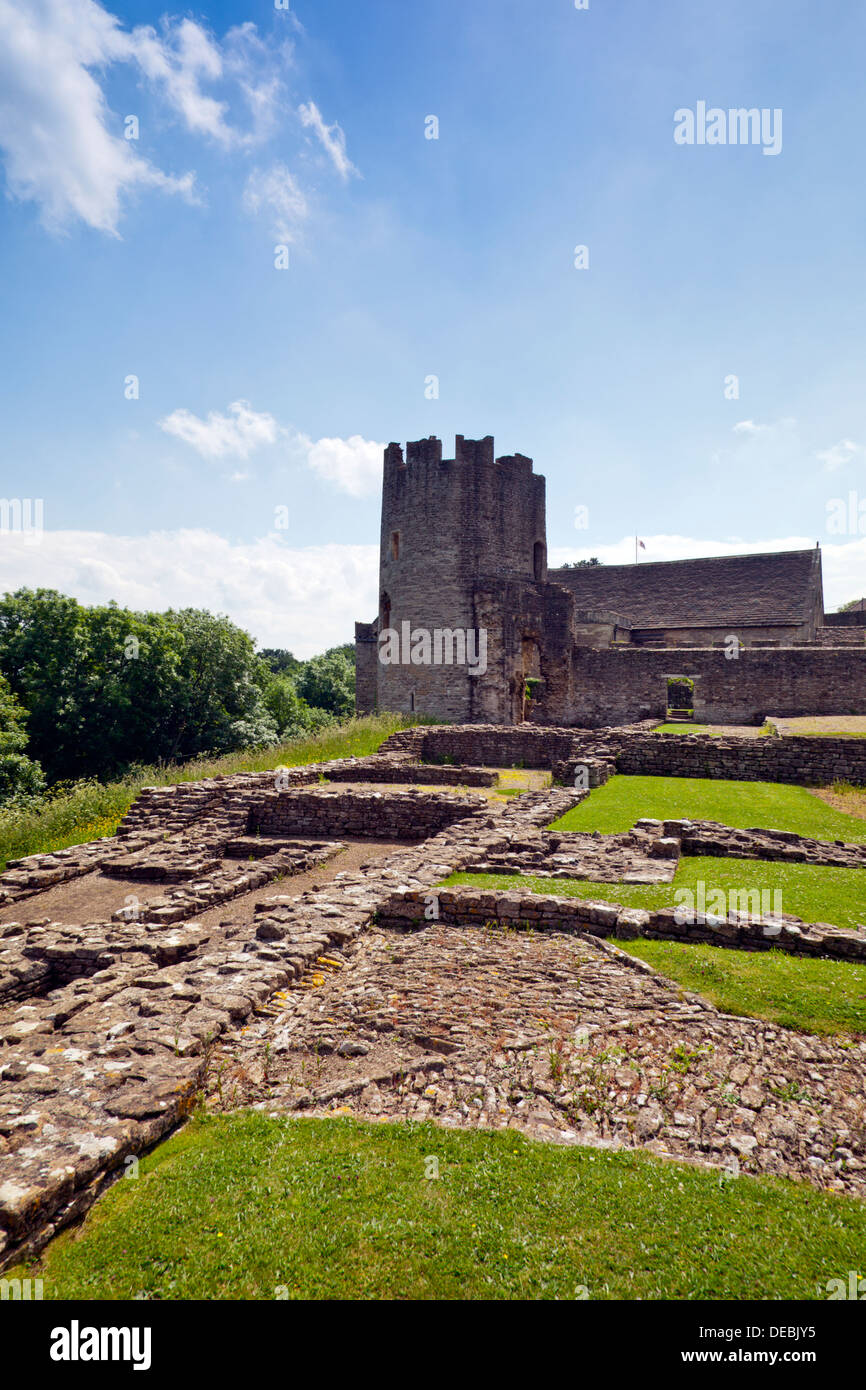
777,588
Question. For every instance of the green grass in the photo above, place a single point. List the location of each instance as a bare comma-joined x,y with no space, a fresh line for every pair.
825,997
246,1207
90,810
616,806
817,894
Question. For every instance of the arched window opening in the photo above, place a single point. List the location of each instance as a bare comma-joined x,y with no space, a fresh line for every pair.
538,561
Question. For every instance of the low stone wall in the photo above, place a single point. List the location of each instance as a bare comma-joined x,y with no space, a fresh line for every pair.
782,846
33,874
409,815
816,761
411,908
490,745
394,769
649,852
803,761
636,750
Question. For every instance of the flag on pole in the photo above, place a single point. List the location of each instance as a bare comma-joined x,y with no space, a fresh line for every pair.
636,544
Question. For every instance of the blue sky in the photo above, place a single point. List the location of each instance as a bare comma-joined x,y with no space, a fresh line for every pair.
244,477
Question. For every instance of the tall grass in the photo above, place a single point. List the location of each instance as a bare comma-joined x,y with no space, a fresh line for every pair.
84,811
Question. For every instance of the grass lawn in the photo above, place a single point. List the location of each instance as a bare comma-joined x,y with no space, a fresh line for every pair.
91,810
616,806
814,996
251,1207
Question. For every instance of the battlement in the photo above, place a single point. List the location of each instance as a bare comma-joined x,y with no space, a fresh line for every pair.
473,455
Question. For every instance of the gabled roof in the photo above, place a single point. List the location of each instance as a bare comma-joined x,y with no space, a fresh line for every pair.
777,588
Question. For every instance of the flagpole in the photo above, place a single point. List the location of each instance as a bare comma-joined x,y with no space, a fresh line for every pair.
635,549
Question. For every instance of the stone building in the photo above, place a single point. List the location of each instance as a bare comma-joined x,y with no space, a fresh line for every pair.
474,628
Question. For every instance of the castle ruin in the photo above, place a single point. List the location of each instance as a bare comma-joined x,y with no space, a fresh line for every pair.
474,628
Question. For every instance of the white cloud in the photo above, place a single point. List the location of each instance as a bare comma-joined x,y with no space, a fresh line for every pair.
354,464
331,137
57,134
306,599
839,455
275,192
253,64
176,65
59,152
235,435
778,429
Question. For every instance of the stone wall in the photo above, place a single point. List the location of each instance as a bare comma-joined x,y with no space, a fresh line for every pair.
487,745
852,617
366,668
636,751
412,815
409,908
390,769
805,761
622,685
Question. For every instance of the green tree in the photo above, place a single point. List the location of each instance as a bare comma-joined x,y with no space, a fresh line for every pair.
105,687
279,661
19,776
217,701
328,682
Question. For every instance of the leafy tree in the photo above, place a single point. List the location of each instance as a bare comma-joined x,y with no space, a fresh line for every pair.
279,661
292,715
215,696
851,605
20,777
582,564
346,649
105,687
328,682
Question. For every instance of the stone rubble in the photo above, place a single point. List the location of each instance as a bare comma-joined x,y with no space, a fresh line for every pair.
560,1036
378,993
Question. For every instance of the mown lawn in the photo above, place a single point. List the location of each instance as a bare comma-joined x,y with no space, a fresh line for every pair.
251,1207
91,810
813,996
616,806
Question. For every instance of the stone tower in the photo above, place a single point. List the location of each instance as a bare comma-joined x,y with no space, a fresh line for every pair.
462,548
